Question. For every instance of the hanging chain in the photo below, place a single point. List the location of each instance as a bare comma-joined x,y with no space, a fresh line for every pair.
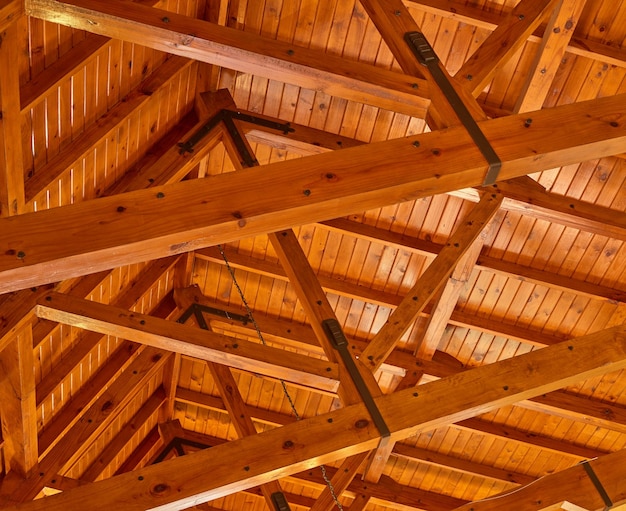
327,480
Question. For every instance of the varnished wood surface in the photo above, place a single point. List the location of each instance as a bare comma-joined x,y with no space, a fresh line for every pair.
87,117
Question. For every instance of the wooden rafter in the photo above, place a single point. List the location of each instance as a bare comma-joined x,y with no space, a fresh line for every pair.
429,283
179,482
242,51
237,411
505,40
17,403
572,485
187,340
557,35
11,162
296,193
94,420
393,20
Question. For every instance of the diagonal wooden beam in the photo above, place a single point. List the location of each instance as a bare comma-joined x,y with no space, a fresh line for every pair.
98,131
490,19
431,280
190,341
11,162
238,414
54,244
556,37
393,20
241,51
573,485
128,299
17,404
10,10
503,43
314,301
445,303
181,482
94,421
124,437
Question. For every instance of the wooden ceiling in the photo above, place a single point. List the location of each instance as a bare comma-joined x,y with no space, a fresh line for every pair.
193,193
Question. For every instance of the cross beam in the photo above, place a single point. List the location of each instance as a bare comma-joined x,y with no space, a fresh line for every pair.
242,464
63,242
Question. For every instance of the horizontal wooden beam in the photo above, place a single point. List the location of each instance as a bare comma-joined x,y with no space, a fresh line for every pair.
188,340
241,51
418,454
242,464
147,224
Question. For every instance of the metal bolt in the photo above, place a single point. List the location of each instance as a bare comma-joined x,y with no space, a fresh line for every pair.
416,144
521,17
306,192
21,254
543,71
165,19
290,52
414,86
397,13
469,77
160,195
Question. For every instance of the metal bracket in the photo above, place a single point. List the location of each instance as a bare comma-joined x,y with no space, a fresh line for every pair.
340,343
280,502
188,146
285,127
249,159
197,309
596,482
427,57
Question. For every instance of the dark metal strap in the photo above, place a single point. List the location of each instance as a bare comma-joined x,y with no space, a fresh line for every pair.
596,482
336,336
280,502
427,57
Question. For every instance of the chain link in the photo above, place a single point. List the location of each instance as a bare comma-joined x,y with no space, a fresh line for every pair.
327,480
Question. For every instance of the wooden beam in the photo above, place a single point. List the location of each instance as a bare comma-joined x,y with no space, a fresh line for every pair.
572,485
556,37
393,20
446,301
520,196
238,465
17,404
17,311
503,43
597,413
58,243
11,161
93,422
143,452
99,130
240,51
490,19
346,472
124,437
538,203
190,341
420,455
430,281
127,299
487,263
10,10
238,414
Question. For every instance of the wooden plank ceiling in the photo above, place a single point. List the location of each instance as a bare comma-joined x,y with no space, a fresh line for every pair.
485,323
